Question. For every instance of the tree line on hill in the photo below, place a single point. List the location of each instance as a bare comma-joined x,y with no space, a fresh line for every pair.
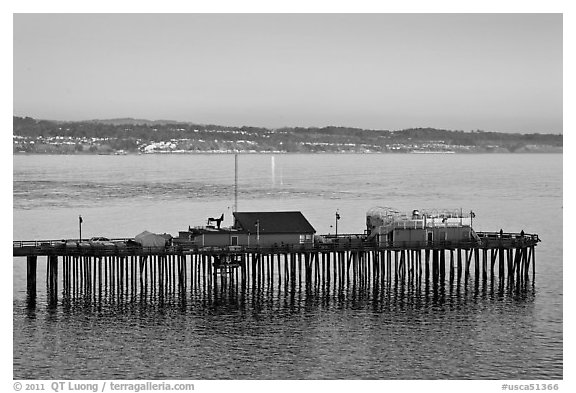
129,136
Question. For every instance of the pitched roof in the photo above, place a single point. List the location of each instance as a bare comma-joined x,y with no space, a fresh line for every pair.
273,222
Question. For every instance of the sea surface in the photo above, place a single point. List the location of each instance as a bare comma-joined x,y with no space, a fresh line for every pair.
468,333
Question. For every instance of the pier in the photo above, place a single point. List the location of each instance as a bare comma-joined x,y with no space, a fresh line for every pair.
344,262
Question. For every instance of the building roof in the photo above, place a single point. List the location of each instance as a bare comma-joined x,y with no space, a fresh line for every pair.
209,229
273,222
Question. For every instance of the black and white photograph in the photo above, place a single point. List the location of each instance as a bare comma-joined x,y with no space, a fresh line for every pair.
270,197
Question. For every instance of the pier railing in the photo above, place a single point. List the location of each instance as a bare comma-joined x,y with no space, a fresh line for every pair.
126,247
61,243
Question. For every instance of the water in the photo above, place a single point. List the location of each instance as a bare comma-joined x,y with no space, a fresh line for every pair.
398,333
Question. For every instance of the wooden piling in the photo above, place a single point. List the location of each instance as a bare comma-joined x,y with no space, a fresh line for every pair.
427,264
484,264
451,266
501,264
533,264
31,268
476,263
52,274
459,264
442,264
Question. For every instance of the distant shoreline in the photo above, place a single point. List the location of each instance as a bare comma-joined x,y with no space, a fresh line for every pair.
22,153
46,137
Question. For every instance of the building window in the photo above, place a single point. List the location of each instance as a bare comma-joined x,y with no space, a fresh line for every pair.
305,239
234,240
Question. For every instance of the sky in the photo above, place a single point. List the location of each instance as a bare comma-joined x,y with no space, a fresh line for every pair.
493,72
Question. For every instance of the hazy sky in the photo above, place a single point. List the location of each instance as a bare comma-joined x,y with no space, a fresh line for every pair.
496,72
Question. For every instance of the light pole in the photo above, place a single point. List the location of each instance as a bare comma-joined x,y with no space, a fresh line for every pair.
258,232
80,226
337,218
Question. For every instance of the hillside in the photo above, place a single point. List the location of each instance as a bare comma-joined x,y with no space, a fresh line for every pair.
144,136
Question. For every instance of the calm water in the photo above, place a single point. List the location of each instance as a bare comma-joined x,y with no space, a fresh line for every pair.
397,333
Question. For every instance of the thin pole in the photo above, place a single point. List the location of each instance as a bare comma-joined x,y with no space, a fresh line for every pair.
80,226
235,182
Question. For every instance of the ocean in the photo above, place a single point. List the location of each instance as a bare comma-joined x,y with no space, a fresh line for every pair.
276,334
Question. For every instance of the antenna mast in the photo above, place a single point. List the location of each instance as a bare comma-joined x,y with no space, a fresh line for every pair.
235,182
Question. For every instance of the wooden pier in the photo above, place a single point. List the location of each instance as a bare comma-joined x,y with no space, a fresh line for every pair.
498,258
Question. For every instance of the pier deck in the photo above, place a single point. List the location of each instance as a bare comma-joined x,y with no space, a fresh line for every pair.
76,247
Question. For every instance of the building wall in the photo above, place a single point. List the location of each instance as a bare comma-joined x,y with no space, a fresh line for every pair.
279,239
409,235
401,236
213,240
266,240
